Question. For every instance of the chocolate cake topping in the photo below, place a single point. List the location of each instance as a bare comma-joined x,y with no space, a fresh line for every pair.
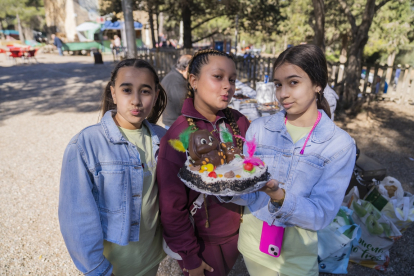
229,174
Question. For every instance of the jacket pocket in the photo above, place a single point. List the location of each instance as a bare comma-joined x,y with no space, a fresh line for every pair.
111,190
309,170
270,161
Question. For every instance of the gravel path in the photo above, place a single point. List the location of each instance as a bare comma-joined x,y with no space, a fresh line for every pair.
43,105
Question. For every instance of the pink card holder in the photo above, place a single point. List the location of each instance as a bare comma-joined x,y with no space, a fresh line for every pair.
271,239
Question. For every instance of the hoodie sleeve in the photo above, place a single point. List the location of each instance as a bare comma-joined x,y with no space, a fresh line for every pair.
173,198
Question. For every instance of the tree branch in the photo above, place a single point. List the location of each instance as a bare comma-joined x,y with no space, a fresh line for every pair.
382,3
202,22
207,36
351,18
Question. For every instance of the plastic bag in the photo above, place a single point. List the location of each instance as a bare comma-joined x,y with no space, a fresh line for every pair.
335,242
378,234
266,92
391,188
400,211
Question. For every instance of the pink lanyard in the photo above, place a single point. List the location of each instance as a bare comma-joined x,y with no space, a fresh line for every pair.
307,138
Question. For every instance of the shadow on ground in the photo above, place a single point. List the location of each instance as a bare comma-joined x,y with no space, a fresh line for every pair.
50,88
386,135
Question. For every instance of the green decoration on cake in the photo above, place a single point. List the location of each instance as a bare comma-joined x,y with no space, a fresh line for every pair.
181,144
185,136
225,134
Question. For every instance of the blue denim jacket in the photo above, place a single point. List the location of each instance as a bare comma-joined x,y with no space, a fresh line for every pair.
100,192
315,182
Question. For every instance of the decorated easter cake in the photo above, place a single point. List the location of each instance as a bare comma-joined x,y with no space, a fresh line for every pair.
219,168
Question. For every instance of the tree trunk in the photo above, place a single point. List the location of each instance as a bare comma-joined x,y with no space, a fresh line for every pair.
158,26
319,28
390,63
129,29
359,40
1,29
21,36
352,76
344,48
186,15
151,21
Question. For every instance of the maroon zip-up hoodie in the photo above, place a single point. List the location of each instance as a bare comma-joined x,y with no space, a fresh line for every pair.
176,199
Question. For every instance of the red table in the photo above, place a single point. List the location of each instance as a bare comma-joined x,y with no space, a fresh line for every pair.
23,52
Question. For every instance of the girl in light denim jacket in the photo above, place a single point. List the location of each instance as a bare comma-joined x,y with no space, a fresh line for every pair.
310,160
108,203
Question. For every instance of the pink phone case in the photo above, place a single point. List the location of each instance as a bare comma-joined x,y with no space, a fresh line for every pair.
272,239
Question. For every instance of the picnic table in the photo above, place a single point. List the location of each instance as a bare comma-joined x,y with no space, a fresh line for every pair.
24,53
248,102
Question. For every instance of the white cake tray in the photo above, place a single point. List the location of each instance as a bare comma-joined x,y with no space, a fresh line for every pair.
226,192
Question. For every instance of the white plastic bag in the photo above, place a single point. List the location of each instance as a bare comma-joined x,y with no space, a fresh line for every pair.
400,211
335,242
391,188
378,234
266,92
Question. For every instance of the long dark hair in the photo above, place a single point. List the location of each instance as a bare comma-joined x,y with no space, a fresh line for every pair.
160,104
310,59
194,67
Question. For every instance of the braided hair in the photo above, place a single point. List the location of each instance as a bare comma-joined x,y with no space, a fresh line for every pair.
194,68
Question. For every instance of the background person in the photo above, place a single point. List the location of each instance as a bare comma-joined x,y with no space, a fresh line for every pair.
58,43
175,85
378,83
332,98
116,46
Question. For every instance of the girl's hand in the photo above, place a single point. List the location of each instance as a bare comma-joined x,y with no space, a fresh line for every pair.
272,189
200,270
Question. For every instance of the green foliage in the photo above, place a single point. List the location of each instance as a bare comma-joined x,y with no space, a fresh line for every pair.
260,16
271,25
390,28
31,12
296,27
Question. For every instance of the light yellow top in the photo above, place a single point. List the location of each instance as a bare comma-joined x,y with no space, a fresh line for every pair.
299,254
137,258
297,133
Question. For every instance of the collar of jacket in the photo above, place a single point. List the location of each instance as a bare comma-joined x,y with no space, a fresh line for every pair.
322,133
189,110
113,134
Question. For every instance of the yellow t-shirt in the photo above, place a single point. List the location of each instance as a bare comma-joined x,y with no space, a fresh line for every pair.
137,258
299,254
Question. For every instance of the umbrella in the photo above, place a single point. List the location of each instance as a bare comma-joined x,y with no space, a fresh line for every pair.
118,25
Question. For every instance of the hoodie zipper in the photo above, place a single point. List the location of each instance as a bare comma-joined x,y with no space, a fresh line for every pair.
213,125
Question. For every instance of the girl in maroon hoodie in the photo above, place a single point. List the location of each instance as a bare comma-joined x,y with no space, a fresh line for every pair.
210,247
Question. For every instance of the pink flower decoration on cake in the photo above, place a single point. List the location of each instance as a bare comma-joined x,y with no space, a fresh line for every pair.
251,148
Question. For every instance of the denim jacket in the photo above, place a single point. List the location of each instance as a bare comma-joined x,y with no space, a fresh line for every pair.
100,192
315,182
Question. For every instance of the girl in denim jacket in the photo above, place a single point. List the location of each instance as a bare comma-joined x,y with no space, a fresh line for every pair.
310,160
108,203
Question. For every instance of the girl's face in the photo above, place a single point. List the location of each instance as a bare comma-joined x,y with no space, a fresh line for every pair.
295,90
135,95
215,85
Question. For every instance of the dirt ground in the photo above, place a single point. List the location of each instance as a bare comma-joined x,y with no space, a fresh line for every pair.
43,105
